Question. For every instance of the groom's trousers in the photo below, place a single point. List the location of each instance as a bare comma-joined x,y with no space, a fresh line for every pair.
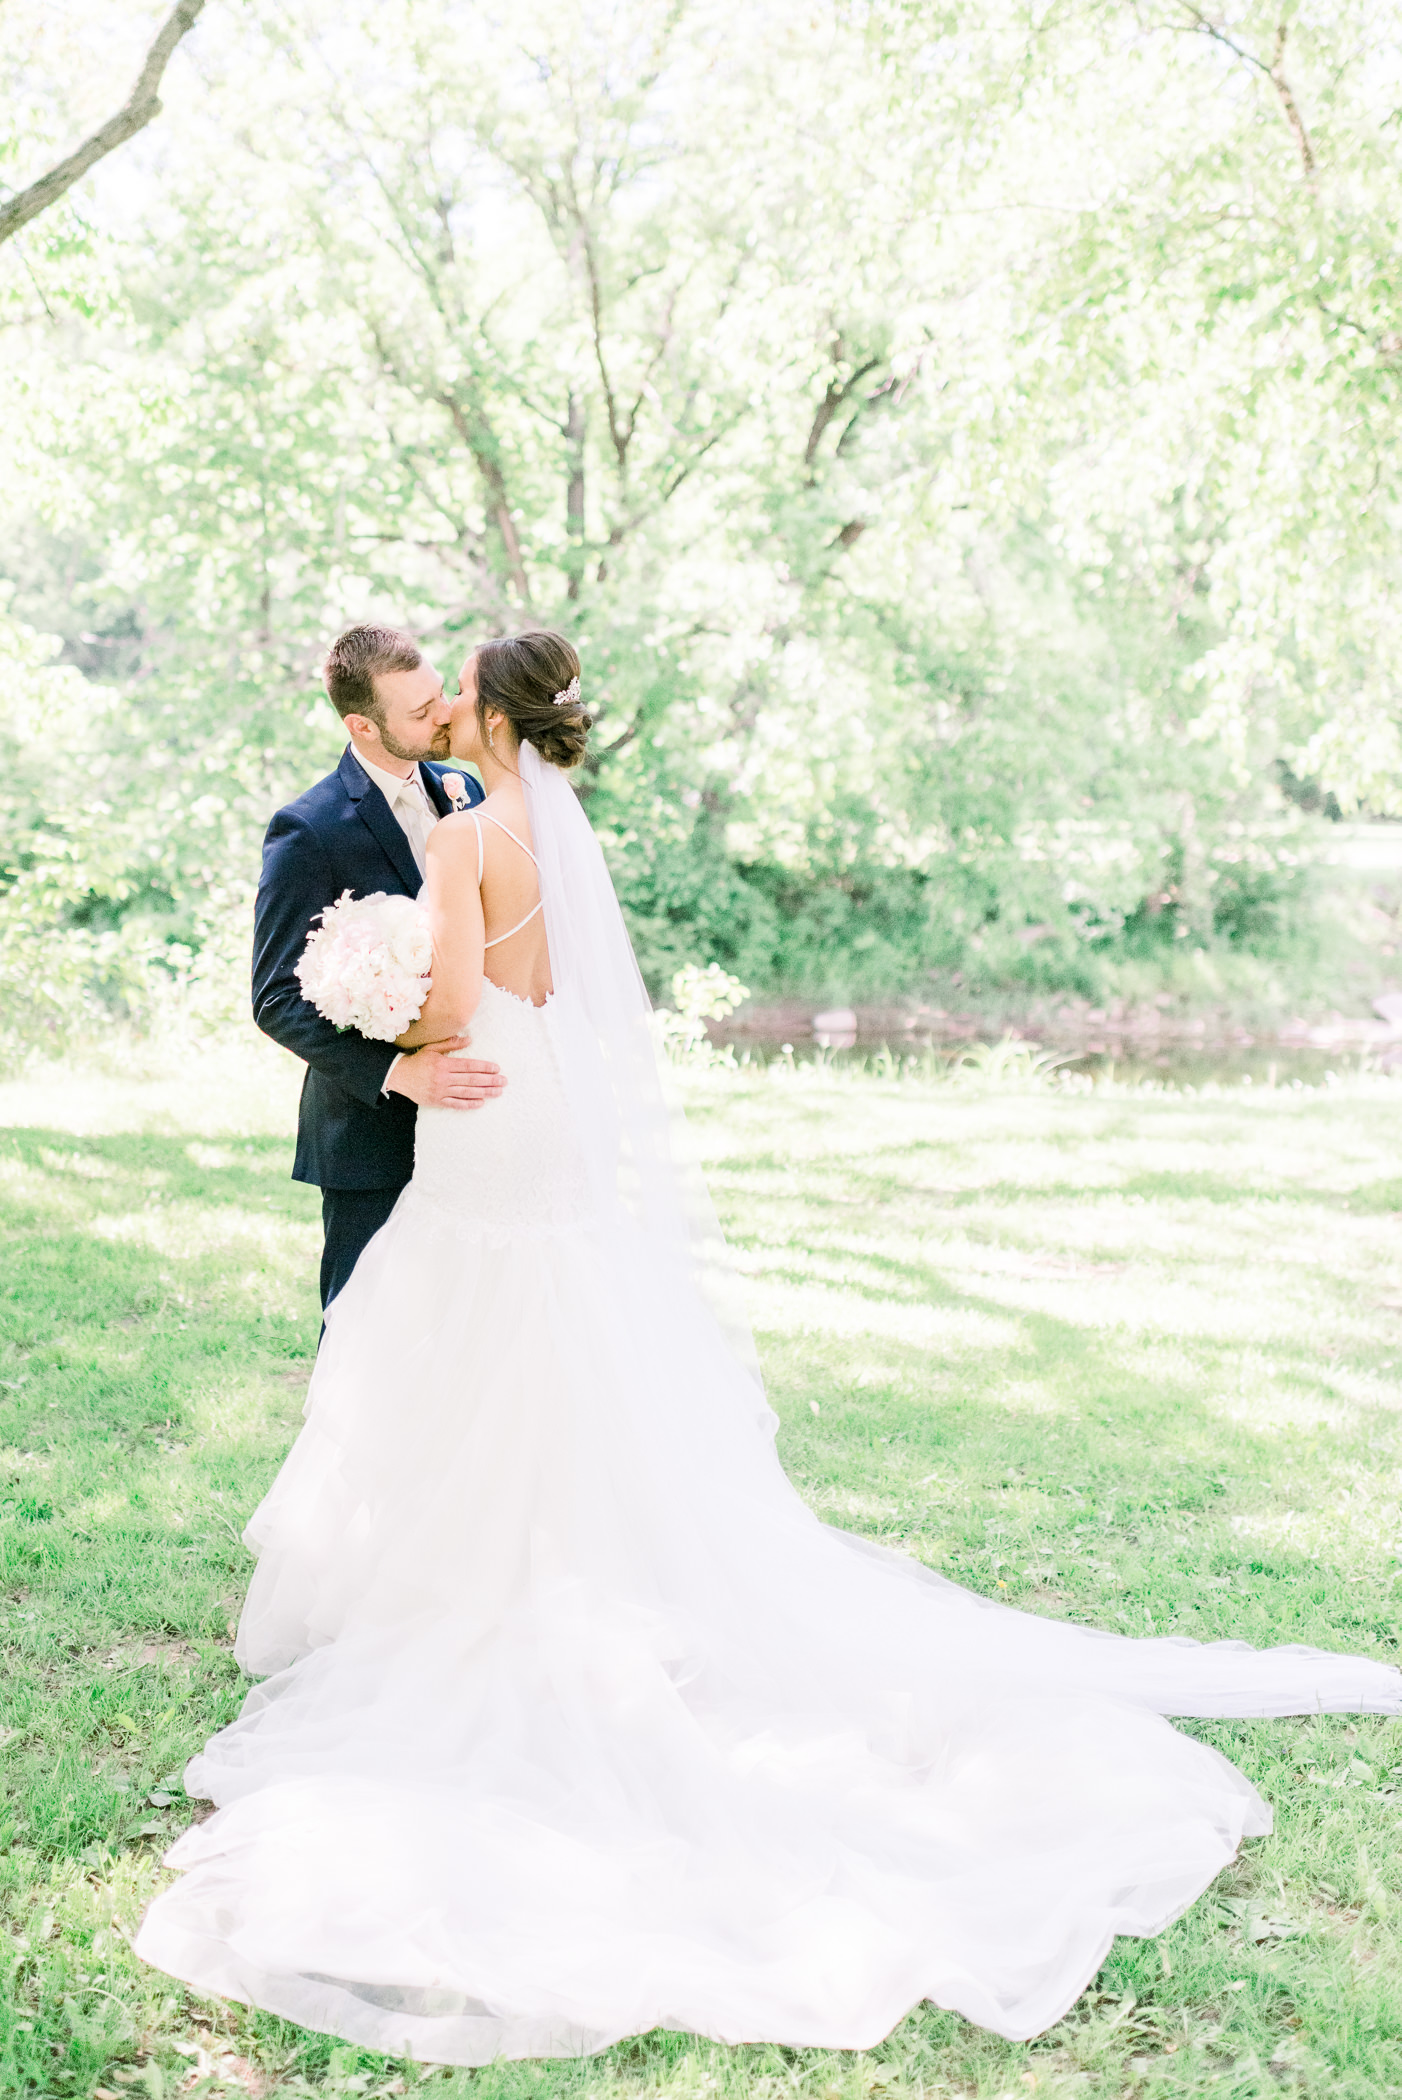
351,1218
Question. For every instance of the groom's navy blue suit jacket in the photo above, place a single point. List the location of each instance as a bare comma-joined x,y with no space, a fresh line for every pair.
340,835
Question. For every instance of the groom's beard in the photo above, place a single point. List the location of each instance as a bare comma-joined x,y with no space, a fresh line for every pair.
436,747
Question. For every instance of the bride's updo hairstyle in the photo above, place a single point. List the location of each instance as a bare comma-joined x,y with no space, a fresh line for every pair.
522,676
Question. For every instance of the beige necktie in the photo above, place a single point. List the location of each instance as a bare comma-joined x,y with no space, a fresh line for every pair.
416,819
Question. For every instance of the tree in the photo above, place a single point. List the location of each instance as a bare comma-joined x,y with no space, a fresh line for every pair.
953,440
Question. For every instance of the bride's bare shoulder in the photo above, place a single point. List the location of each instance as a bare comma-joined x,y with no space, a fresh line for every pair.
454,835
506,805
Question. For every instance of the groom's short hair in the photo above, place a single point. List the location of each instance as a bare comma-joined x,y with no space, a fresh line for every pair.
356,657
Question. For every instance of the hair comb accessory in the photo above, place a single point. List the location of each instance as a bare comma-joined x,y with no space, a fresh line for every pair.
570,696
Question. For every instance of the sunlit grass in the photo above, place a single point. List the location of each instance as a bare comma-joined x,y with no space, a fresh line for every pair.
1132,1359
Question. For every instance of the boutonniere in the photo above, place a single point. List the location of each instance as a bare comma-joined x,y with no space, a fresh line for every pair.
455,788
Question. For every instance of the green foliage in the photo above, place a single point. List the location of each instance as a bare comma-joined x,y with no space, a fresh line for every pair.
961,445
698,996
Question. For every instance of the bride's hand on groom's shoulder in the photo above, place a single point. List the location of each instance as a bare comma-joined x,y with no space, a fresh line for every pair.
435,1080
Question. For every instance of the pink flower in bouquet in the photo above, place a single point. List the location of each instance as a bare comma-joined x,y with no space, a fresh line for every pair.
367,965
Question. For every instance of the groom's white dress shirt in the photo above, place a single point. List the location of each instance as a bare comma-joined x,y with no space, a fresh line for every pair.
415,816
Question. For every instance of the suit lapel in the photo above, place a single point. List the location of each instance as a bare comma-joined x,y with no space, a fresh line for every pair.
435,792
433,781
376,814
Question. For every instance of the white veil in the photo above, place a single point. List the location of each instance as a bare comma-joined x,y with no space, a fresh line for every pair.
634,1141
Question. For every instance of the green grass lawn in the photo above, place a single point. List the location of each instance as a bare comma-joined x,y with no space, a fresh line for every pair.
1133,1359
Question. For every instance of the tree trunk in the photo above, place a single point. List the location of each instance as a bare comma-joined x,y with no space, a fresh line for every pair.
574,493
477,434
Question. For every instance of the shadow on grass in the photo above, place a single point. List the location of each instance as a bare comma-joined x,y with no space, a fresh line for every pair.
872,1187
1067,1423
243,1171
146,1397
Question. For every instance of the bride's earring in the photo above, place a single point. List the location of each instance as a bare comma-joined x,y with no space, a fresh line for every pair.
488,727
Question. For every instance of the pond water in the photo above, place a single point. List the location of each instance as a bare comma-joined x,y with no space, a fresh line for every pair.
1172,1064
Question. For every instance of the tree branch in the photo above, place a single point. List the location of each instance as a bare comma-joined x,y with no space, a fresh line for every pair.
1387,342
669,488
477,435
1289,104
839,391
141,106
620,437
640,514
576,427
621,743
1220,36
1275,74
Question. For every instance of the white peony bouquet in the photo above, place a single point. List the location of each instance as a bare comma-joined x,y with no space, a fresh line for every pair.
366,966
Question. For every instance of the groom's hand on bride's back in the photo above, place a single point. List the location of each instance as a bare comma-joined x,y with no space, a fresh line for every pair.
435,1080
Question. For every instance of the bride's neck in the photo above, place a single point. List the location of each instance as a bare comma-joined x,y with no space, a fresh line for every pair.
499,768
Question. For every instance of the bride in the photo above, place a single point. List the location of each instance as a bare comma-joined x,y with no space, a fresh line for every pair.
575,1721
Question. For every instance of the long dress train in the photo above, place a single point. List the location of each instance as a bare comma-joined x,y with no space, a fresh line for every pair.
579,1723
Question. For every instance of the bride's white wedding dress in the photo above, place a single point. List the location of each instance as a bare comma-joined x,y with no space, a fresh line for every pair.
579,1723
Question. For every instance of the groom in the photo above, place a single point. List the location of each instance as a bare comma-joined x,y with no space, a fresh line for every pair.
363,828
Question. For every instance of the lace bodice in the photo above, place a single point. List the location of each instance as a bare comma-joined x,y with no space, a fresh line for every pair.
514,1166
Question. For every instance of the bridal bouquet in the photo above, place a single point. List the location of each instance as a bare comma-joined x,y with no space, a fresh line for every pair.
366,966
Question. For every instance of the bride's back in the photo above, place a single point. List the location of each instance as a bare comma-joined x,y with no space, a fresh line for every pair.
517,956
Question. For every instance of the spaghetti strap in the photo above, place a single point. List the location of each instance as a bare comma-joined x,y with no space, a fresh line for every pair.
539,904
497,939
509,833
